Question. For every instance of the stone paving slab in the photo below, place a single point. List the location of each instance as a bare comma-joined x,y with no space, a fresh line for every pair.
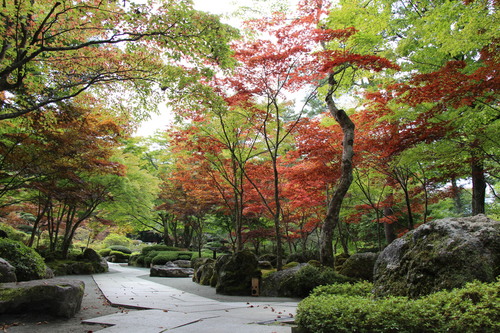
173,310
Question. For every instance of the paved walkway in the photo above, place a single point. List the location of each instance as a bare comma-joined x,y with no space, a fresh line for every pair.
166,309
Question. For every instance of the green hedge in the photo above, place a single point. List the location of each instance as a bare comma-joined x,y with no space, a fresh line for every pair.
120,248
104,252
119,255
165,256
474,308
146,250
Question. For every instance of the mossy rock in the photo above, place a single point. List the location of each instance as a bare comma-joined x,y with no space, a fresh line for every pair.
236,273
28,263
441,254
360,266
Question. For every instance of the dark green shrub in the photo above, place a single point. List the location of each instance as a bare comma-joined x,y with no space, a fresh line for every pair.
132,260
120,248
28,263
140,261
119,255
474,308
146,250
13,233
161,258
104,252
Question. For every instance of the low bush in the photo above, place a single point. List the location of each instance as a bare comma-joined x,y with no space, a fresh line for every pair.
13,233
119,255
28,263
146,250
363,288
104,252
474,308
134,258
120,248
165,256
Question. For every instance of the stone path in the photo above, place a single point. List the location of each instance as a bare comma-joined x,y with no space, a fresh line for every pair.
166,309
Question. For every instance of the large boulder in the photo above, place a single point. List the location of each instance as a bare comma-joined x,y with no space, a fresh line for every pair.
359,266
170,270
58,297
7,272
441,254
278,283
235,274
203,273
28,263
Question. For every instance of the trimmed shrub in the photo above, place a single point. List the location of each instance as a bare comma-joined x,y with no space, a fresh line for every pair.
28,263
120,248
363,288
134,258
165,256
104,252
474,308
119,255
146,250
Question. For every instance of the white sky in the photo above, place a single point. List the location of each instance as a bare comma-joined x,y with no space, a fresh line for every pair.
221,7
160,121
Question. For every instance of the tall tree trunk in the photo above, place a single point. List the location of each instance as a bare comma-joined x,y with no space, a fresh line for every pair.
478,186
390,236
346,178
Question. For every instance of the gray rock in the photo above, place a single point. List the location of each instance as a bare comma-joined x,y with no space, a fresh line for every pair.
183,263
264,264
7,272
441,254
206,273
360,266
91,255
170,271
58,297
236,272
276,283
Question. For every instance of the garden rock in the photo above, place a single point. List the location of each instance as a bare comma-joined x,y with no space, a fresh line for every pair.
58,297
7,272
203,273
441,254
276,283
183,263
91,255
170,270
263,264
360,266
236,272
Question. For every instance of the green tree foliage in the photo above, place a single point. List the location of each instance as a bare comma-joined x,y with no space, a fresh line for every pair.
54,51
